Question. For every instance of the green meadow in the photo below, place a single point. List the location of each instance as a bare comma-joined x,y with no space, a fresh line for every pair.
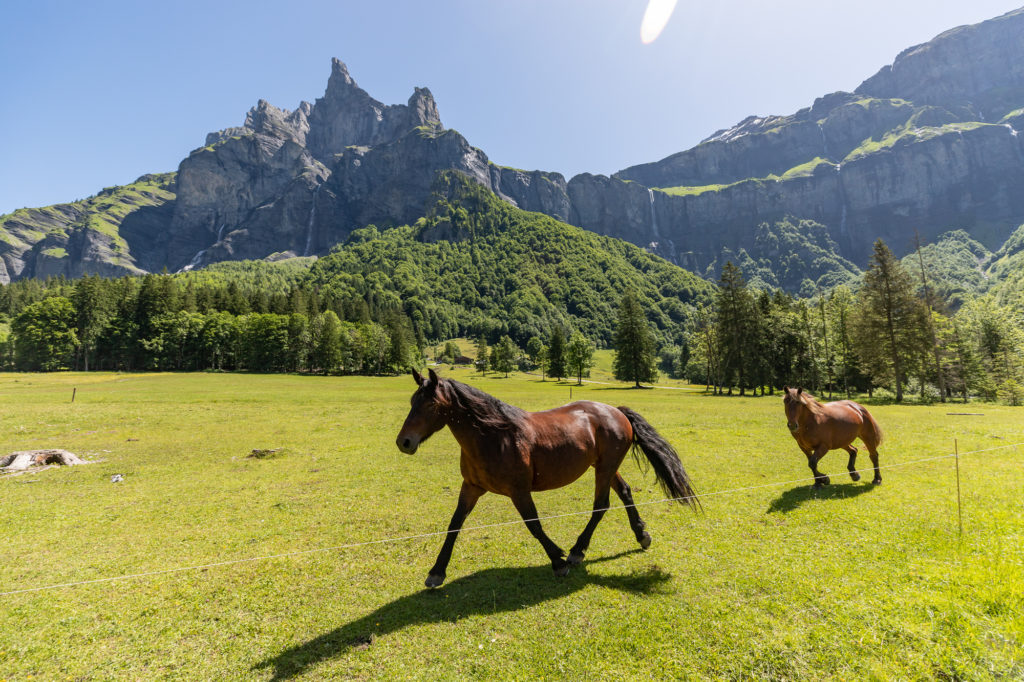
773,581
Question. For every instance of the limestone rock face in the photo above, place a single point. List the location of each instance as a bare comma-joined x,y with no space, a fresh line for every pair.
346,116
977,66
91,236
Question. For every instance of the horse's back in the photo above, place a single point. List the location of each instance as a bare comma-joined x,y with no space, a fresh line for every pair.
568,440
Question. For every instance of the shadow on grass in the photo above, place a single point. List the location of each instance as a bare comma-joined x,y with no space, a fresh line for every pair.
490,591
793,498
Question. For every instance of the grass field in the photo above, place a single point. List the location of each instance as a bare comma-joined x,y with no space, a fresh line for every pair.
772,582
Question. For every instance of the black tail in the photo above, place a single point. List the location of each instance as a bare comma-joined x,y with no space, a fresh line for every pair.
667,468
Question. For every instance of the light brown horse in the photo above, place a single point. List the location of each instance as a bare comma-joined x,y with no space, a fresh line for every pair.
511,452
819,428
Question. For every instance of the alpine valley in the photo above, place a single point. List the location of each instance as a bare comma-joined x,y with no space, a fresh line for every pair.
925,151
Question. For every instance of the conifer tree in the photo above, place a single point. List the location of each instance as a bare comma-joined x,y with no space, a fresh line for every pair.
634,343
735,326
481,354
556,353
888,321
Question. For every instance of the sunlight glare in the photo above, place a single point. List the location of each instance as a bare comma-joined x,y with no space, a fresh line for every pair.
657,15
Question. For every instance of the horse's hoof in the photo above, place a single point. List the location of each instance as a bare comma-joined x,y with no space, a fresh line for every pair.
645,540
562,570
434,580
854,475
877,481
575,558
824,480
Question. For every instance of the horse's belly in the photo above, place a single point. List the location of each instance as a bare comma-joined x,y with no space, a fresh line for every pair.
554,470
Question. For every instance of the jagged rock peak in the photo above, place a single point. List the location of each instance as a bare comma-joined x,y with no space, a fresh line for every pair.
347,116
339,75
424,108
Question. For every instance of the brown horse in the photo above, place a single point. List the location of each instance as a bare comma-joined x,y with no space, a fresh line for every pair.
819,428
511,452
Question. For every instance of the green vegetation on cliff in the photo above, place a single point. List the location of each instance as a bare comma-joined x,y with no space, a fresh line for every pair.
49,229
477,265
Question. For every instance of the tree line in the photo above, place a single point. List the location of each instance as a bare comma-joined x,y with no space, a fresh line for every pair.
163,322
893,333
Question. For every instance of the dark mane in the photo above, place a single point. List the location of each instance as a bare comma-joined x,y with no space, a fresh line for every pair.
811,403
484,409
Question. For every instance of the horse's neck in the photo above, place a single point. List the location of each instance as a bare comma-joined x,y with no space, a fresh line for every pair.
808,415
470,434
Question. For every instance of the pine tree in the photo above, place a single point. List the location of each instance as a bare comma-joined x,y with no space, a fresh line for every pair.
556,353
888,320
634,343
734,324
481,354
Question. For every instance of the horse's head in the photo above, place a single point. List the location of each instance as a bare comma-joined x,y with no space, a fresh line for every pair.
792,399
425,418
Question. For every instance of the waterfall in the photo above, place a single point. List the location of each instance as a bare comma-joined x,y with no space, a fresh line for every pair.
824,142
196,260
220,233
654,217
671,251
1013,131
842,201
308,251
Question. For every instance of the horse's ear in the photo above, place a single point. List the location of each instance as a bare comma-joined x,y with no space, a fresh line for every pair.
799,390
433,376
417,378
786,389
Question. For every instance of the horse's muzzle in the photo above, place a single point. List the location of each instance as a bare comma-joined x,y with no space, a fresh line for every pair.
407,444
793,426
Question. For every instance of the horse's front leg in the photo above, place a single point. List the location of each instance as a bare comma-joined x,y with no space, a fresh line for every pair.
524,505
467,500
813,458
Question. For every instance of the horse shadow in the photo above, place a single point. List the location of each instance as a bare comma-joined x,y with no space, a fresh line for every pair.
794,497
489,591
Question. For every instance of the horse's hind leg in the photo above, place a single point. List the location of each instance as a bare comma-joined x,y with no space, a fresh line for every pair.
625,494
851,466
873,453
601,486
528,510
467,500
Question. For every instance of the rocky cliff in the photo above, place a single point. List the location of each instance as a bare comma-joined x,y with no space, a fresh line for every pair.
928,144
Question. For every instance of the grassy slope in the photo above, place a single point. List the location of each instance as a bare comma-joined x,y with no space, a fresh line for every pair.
852,583
102,213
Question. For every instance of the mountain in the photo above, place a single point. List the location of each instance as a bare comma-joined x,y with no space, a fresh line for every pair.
926,146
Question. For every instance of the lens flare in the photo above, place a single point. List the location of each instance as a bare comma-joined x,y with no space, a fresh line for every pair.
657,15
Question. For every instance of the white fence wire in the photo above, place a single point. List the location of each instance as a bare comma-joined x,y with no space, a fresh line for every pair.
404,538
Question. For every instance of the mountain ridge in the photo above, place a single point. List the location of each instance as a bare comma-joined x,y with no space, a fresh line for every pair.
926,145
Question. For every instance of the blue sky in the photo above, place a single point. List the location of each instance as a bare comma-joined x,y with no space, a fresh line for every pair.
95,94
